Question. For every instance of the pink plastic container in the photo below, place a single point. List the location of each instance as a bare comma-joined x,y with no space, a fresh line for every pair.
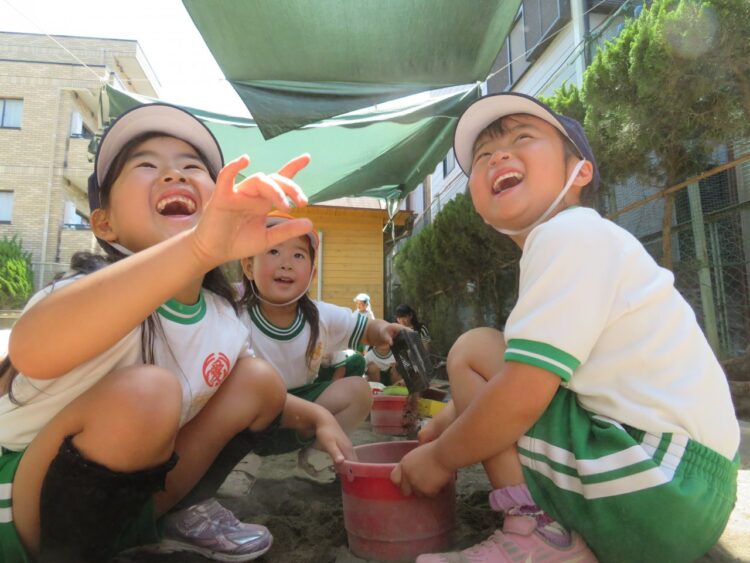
383,524
387,415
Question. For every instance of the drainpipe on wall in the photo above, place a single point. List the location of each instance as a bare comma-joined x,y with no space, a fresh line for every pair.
48,205
577,18
319,289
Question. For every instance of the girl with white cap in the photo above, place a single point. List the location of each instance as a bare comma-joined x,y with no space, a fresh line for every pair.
362,305
118,374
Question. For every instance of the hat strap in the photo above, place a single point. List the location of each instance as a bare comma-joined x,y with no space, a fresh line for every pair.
552,206
271,303
121,248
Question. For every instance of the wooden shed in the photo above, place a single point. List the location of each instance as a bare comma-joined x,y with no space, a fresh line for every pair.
351,256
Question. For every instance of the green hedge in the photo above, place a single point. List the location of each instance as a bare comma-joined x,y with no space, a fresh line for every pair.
16,277
458,273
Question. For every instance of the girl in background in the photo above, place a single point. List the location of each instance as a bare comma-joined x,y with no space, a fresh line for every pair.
407,316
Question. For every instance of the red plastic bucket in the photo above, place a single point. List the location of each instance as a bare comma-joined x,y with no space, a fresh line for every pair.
383,524
387,415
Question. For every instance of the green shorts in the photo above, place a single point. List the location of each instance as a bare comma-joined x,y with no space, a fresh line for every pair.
354,365
633,496
385,377
284,440
142,530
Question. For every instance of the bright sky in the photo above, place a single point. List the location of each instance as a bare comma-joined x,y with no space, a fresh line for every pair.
186,70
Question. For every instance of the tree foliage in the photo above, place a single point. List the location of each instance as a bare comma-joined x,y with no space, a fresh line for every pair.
16,278
668,89
655,103
460,269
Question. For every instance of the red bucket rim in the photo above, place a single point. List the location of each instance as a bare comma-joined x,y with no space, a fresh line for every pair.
351,469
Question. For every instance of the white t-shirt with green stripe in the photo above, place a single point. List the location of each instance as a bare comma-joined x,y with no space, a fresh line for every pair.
595,309
200,344
383,361
284,348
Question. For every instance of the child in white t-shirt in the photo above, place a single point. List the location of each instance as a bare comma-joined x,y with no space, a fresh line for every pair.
126,382
601,415
294,333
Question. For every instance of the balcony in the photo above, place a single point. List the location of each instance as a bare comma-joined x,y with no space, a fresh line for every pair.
77,163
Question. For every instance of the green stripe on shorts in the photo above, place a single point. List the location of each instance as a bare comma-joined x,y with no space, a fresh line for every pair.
633,496
11,548
141,530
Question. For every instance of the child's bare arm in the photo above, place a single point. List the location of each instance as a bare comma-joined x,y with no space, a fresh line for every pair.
507,407
83,320
311,419
380,333
433,429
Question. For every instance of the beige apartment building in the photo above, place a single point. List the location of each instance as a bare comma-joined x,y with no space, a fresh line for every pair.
49,110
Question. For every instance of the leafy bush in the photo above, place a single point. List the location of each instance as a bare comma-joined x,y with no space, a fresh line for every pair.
458,273
16,278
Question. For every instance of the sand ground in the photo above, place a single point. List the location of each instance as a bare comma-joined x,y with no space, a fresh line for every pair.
306,518
307,522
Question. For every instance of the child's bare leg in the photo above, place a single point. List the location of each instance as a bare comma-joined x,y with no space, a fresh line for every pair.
476,357
396,378
373,372
251,397
126,422
338,373
349,400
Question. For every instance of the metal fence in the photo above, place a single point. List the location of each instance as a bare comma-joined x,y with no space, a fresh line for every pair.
708,246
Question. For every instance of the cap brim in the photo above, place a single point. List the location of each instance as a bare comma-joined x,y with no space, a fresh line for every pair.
484,111
162,118
312,235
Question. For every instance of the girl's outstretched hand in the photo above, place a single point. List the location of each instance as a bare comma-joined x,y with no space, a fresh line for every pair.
233,224
420,472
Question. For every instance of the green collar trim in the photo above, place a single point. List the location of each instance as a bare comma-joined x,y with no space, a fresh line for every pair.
273,331
183,314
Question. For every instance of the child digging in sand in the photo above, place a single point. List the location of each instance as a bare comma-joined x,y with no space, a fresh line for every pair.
601,415
125,383
293,333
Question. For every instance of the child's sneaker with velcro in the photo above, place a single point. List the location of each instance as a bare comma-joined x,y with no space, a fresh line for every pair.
214,532
518,541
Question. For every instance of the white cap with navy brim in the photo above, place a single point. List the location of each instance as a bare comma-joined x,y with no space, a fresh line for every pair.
163,118
490,108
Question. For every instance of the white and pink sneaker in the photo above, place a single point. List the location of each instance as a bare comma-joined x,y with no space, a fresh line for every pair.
517,542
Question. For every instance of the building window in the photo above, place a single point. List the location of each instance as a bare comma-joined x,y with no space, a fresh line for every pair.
449,163
542,19
6,207
73,219
518,52
512,61
499,80
10,113
78,129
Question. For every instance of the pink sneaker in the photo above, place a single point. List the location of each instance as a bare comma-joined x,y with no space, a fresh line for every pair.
515,543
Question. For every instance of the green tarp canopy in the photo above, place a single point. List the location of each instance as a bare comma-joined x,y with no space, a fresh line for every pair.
377,153
296,62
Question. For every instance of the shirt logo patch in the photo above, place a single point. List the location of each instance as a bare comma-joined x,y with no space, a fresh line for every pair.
215,369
